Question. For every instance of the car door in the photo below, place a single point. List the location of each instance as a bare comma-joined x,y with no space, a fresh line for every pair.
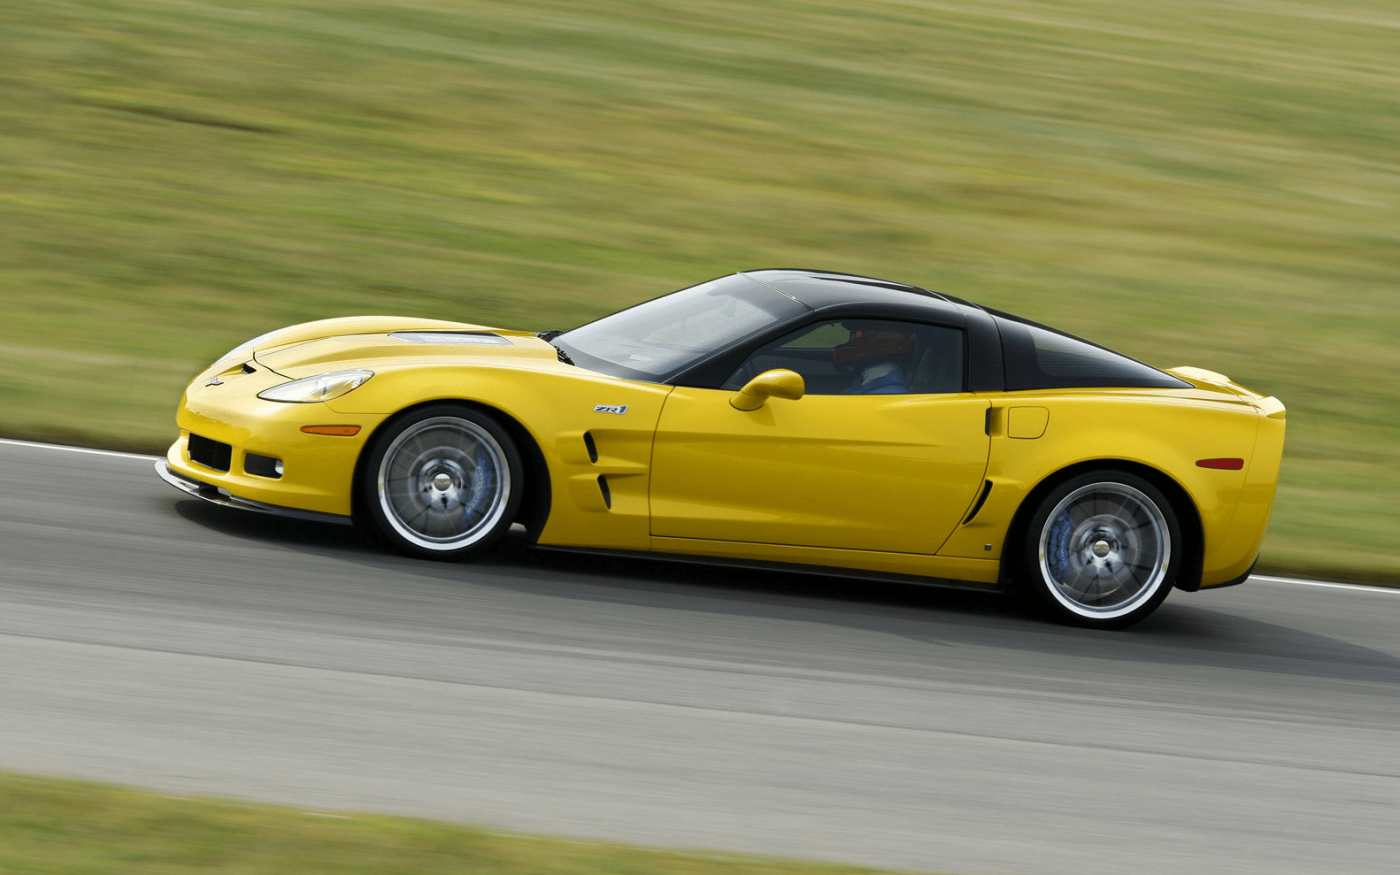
854,463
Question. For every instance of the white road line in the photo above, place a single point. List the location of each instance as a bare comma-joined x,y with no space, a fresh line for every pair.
10,443
1389,590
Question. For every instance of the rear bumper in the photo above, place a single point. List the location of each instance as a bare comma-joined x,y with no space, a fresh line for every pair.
1235,554
1238,580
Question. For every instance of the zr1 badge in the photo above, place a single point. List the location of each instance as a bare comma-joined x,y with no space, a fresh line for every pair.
610,408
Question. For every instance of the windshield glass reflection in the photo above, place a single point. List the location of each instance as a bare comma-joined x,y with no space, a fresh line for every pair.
662,337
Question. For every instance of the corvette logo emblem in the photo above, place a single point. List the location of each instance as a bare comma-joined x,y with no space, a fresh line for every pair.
610,408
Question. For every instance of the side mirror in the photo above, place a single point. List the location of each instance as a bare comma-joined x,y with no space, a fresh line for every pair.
778,383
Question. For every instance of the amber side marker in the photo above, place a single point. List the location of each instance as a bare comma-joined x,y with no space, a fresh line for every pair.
1222,464
338,430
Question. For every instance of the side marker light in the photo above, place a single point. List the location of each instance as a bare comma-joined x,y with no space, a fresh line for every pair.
337,430
1222,464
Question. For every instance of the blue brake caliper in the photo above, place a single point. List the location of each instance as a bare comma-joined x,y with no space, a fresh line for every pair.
483,484
1057,550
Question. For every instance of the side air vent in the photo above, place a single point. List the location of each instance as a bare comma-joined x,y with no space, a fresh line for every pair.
607,493
981,500
592,447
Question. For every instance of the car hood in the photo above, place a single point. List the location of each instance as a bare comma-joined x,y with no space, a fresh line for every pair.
333,344
322,328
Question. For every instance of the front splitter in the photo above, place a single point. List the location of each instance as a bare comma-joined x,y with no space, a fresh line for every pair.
217,495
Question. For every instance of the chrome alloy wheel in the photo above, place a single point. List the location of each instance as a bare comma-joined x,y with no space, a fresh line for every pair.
1105,550
444,483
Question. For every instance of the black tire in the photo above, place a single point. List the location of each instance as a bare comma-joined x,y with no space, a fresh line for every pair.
1102,550
444,482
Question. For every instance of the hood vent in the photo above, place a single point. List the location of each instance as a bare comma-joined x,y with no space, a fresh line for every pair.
471,338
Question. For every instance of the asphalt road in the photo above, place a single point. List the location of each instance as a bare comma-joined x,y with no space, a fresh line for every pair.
149,639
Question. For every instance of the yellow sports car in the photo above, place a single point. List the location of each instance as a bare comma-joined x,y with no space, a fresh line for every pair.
782,417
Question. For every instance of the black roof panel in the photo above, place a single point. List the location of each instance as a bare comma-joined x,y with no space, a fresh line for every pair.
820,290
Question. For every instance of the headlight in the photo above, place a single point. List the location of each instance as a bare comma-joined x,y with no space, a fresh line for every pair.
322,387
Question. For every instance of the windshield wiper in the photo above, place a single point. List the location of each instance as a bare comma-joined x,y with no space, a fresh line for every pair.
548,337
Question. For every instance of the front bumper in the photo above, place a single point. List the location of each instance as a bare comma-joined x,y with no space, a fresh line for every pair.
218,495
253,454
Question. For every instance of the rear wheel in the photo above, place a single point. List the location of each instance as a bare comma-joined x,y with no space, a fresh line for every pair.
444,482
1102,550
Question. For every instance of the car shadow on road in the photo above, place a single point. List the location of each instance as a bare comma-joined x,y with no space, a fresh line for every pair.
300,535
598,577
1184,631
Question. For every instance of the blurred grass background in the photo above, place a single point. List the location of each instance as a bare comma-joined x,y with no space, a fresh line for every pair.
1206,183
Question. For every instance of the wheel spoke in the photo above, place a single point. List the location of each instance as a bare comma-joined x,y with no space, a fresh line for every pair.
1104,549
444,483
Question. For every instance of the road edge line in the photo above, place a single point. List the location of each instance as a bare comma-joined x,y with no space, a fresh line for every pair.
1268,578
91,452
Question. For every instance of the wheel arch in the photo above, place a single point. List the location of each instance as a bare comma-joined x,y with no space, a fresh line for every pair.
534,507
1188,518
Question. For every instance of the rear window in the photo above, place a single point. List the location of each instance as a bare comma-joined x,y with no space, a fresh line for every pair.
1038,357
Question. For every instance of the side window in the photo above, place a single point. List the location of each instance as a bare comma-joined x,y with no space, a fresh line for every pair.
864,357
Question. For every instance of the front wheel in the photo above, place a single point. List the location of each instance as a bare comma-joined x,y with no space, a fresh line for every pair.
442,483
1102,550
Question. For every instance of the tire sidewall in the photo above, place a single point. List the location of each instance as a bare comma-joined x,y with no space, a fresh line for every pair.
1040,593
374,519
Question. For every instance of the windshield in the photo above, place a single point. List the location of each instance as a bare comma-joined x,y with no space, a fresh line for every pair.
662,337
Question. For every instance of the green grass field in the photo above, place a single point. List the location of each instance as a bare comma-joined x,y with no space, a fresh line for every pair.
59,827
1199,183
